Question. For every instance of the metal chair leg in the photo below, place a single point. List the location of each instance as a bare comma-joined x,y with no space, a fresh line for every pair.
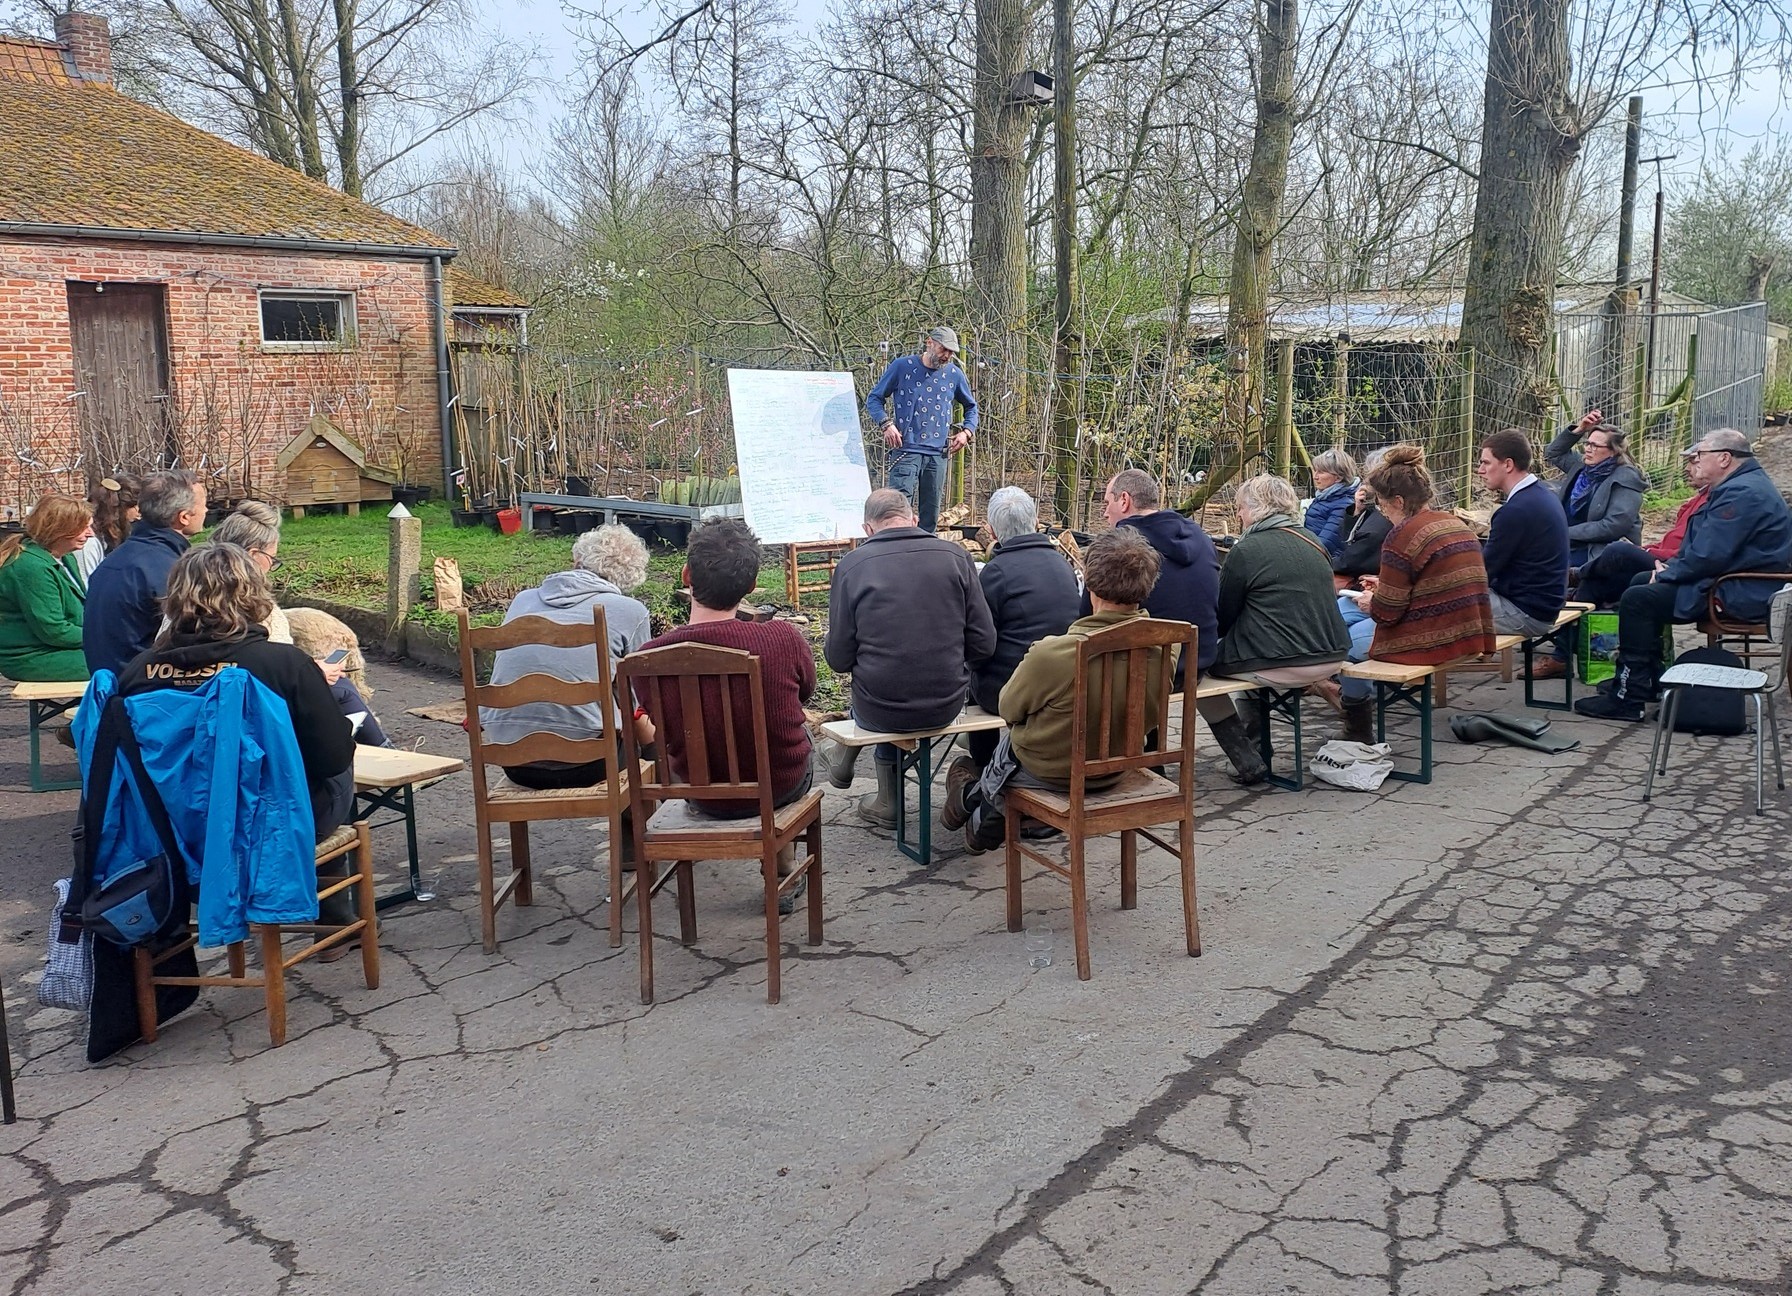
1658,756
1773,728
1760,741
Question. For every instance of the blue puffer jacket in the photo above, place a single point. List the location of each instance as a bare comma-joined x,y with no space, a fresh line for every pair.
227,766
1325,515
1744,526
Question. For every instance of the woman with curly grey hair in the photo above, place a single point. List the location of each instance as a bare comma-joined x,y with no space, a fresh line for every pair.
606,564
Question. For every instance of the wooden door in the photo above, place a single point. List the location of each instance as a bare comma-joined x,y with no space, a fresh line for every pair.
120,337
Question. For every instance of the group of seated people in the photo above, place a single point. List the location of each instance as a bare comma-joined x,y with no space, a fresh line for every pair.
1385,574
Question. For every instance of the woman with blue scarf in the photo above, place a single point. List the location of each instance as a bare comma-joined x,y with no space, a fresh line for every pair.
1601,487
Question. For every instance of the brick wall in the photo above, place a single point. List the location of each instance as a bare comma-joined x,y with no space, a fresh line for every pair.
235,403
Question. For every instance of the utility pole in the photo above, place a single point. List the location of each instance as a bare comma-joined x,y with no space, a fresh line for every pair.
1633,145
1612,388
1654,284
1066,407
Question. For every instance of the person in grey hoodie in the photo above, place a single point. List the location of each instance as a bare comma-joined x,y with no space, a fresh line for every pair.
607,563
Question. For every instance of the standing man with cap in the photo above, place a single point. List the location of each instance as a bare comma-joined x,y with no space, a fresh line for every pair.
912,405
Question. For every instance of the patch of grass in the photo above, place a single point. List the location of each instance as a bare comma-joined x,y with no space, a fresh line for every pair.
333,556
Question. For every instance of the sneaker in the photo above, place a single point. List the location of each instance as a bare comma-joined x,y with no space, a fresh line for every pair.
1609,706
1033,830
959,778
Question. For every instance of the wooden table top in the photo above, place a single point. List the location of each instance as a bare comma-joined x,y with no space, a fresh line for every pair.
386,767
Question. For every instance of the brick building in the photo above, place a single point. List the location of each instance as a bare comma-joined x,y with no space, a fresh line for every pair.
166,296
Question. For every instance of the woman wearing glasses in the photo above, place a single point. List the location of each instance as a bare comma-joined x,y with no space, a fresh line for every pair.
1601,487
255,527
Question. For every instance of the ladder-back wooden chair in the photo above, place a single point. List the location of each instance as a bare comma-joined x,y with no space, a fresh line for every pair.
1129,797
505,802
1722,629
672,683
350,839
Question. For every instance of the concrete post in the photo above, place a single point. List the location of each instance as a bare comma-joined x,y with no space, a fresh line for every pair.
404,573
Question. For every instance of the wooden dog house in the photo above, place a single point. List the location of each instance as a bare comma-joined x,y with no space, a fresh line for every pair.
323,466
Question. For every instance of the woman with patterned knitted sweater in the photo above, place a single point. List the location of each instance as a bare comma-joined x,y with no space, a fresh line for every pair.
1429,604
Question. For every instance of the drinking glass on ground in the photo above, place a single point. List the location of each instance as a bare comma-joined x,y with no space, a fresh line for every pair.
1039,947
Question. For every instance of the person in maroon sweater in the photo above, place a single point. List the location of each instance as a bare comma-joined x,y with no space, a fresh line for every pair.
1605,578
723,564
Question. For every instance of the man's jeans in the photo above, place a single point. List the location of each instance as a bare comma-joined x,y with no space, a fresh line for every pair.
921,477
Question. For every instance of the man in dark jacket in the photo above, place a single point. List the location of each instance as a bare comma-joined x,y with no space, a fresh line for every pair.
1188,586
1744,526
1032,594
124,594
1526,550
907,618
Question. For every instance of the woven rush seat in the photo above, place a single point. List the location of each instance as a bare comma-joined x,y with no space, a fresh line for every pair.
505,790
343,836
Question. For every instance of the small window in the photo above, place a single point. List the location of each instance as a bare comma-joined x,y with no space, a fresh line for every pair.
307,319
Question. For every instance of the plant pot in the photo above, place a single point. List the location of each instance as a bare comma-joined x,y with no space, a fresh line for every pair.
566,523
576,485
468,517
508,521
411,496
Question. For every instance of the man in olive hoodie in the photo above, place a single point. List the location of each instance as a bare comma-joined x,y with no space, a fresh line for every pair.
1039,700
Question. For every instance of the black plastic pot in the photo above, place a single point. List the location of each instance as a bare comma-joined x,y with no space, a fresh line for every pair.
472,517
576,485
410,496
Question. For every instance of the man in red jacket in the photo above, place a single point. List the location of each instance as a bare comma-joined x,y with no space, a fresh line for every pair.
1612,569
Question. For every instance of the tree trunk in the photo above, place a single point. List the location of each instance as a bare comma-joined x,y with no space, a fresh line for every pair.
1067,354
1528,144
305,112
1259,213
348,80
998,287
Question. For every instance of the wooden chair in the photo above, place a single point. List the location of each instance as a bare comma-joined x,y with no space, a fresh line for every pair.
509,803
348,839
673,833
1139,798
1721,629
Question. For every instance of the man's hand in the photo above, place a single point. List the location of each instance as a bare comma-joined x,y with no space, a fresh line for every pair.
957,441
892,437
1591,419
1655,575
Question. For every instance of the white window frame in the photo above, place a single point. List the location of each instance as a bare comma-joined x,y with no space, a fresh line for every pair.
345,301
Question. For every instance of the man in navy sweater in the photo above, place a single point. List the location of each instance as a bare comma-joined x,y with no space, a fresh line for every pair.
1527,545
124,594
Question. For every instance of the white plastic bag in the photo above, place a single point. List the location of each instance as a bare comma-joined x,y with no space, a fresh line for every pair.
1360,767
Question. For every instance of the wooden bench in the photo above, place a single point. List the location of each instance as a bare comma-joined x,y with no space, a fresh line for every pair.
1411,684
1271,701
385,778
45,700
1566,620
916,755
1501,660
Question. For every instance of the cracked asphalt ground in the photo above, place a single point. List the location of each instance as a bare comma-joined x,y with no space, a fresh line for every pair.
1511,1032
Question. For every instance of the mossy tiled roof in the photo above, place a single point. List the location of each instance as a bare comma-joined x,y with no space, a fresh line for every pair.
466,289
82,154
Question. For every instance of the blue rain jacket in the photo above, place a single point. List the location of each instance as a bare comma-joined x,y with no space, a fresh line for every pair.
227,766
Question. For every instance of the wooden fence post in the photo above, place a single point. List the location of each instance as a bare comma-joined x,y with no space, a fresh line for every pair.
404,572
1468,426
1285,414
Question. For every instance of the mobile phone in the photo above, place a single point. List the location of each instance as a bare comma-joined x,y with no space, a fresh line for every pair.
341,654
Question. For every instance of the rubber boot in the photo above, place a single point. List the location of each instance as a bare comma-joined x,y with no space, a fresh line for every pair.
840,765
879,809
1247,765
1359,720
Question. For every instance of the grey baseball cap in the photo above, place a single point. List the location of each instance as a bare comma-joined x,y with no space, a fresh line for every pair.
945,336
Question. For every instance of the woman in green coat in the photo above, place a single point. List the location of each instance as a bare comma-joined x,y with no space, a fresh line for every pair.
42,594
